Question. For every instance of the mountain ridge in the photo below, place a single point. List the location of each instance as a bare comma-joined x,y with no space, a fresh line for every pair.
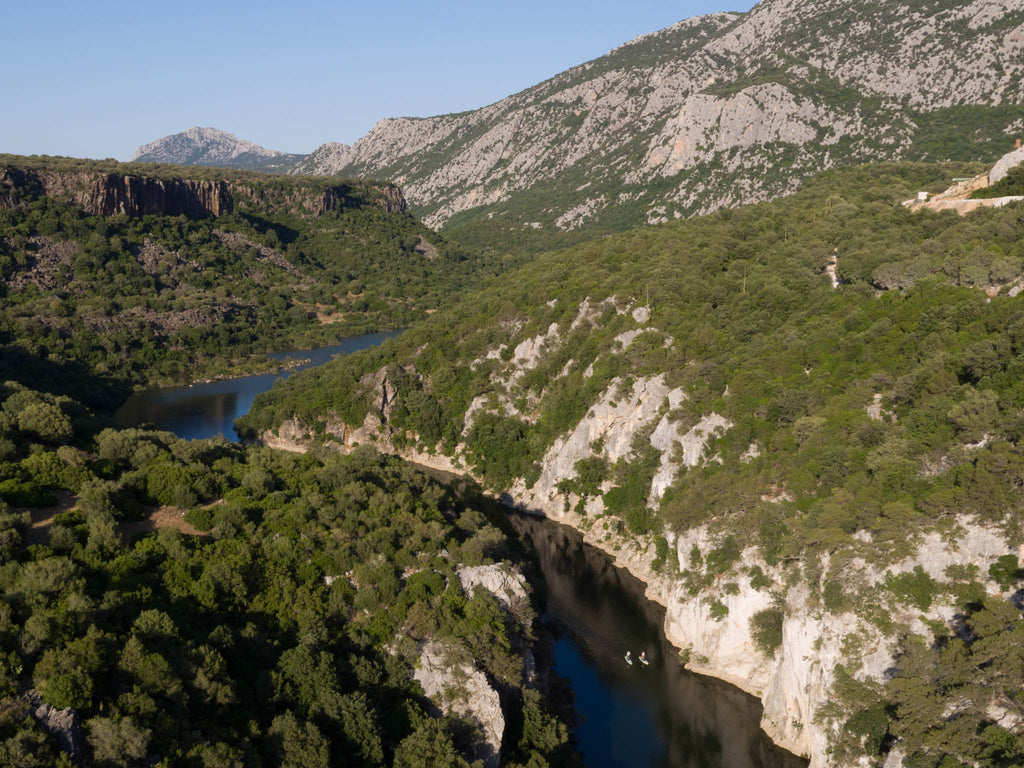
714,111
213,147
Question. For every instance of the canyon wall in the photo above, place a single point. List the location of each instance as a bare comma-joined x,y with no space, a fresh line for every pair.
102,193
111,193
710,614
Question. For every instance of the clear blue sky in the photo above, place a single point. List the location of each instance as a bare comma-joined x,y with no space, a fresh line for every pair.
97,79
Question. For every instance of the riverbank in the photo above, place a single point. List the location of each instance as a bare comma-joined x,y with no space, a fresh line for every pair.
287,360
783,715
204,409
694,713
634,556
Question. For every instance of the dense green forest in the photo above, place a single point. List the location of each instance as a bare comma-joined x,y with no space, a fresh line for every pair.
281,628
169,298
922,324
204,603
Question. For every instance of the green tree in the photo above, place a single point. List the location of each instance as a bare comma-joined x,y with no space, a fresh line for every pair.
297,744
117,741
428,746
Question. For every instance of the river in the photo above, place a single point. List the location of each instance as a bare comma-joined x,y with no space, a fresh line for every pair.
629,716
208,409
632,715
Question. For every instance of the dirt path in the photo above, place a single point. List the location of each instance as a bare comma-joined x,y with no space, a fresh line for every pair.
43,516
160,517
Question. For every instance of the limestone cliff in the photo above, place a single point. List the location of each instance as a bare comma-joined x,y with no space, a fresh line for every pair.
710,612
106,188
796,682
711,112
464,691
457,687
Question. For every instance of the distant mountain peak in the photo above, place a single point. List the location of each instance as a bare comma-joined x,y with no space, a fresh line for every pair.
211,146
711,112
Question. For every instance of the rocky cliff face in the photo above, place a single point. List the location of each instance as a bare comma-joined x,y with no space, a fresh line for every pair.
796,682
709,615
103,193
461,689
389,198
712,112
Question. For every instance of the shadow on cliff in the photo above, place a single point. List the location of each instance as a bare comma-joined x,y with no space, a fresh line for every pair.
660,715
285,235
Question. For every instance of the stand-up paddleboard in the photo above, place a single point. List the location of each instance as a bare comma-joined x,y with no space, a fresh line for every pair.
643,659
629,659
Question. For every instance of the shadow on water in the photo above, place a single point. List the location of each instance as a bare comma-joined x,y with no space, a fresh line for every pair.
61,378
658,715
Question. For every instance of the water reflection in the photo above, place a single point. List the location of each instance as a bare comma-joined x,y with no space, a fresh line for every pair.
659,715
208,410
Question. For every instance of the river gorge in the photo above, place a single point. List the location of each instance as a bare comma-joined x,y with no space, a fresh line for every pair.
626,715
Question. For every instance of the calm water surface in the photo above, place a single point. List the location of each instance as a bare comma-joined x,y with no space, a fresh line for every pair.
208,410
628,716
635,716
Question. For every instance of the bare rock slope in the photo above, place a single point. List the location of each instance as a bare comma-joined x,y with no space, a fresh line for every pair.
711,112
209,146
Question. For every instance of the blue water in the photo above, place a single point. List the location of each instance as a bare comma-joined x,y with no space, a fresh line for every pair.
608,711
656,716
209,409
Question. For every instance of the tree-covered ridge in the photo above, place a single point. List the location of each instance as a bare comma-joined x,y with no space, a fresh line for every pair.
168,172
286,635
867,361
297,263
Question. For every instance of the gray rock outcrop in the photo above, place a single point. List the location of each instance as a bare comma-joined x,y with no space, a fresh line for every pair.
507,586
209,146
731,108
63,724
1004,164
464,691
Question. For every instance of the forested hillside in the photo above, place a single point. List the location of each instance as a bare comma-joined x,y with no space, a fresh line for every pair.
150,273
799,421
176,603
284,620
